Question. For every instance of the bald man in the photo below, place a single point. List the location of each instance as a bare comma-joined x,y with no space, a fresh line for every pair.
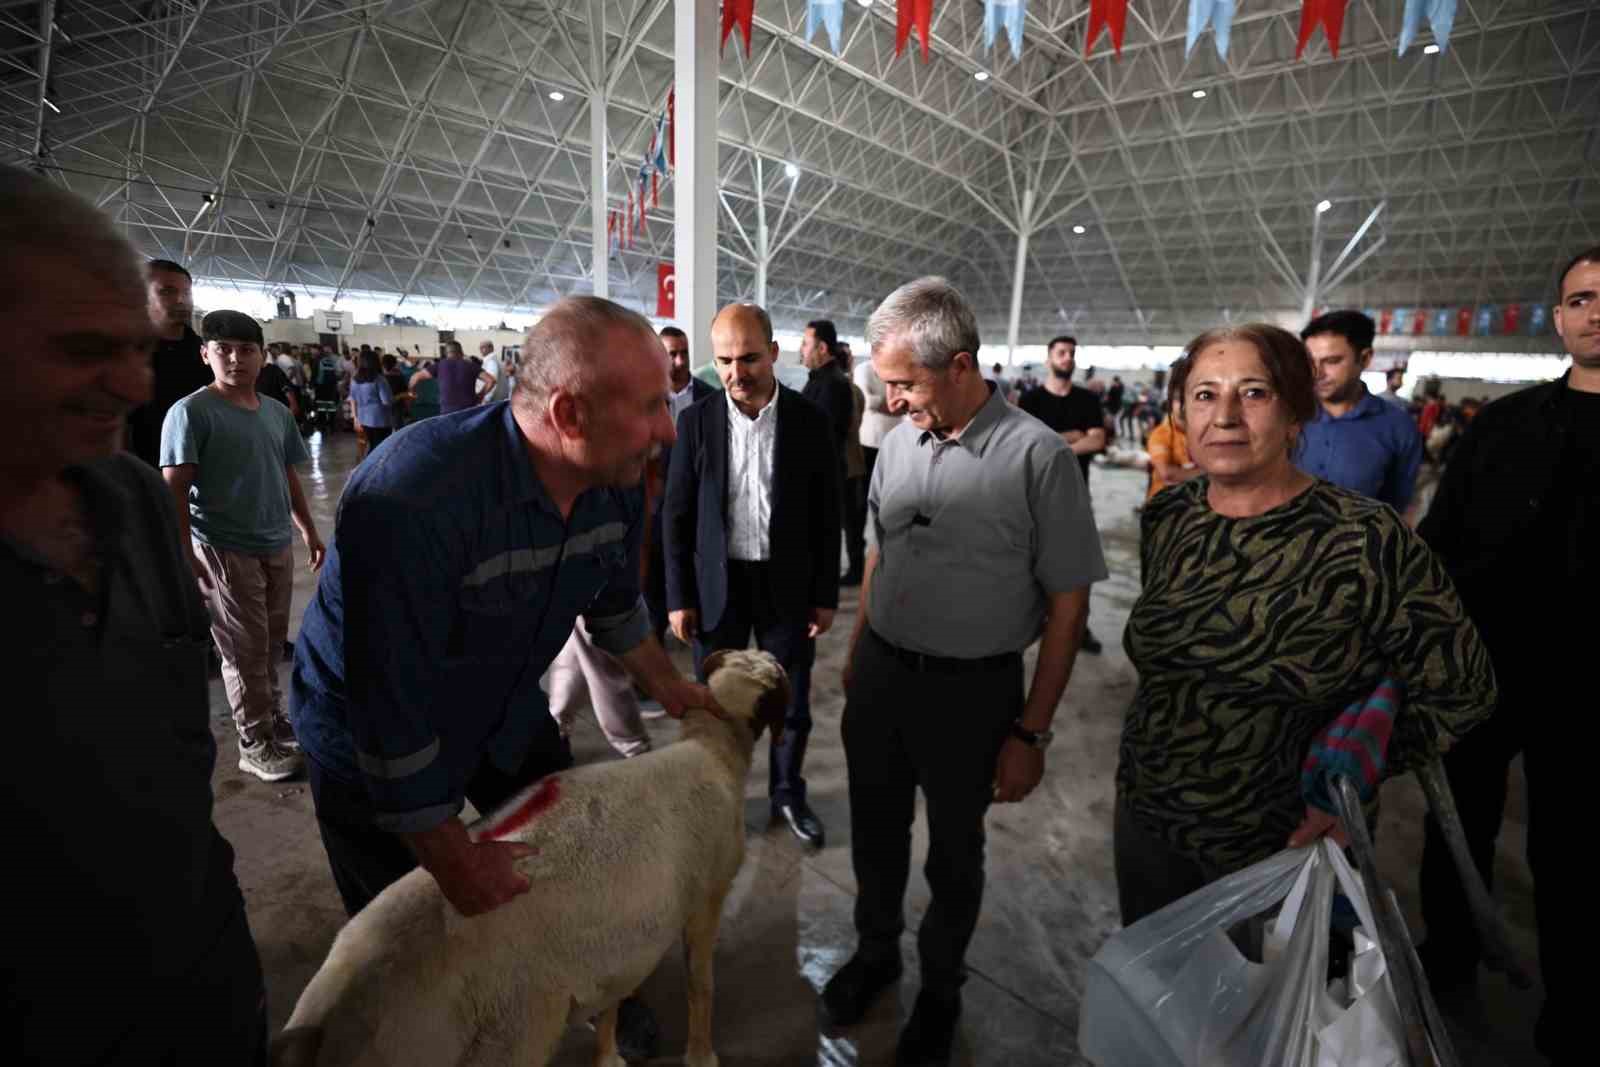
750,526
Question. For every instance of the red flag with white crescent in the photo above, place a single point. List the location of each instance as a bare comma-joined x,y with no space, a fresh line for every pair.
666,291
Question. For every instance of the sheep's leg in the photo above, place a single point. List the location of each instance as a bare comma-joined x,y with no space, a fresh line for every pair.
700,942
605,1027
540,1032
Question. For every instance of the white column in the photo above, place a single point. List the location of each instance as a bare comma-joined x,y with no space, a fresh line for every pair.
598,206
1024,231
1314,276
763,242
694,208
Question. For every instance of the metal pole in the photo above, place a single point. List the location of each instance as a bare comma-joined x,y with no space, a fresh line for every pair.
600,246
695,24
47,19
763,255
1314,276
1024,231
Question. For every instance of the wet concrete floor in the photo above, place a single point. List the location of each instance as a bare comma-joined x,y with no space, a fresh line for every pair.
1050,902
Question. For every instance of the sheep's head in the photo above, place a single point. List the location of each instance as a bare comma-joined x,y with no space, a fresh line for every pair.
750,686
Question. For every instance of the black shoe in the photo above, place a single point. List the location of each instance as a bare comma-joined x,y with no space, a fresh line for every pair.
929,1033
803,823
1091,644
851,991
851,579
638,1036
288,652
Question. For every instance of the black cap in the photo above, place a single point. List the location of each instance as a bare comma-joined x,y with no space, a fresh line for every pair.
230,326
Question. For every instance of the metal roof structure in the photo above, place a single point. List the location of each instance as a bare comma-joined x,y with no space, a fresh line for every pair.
440,149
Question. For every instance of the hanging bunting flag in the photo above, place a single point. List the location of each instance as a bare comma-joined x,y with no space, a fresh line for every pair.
1441,322
1108,15
1007,13
1385,320
666,291
1218,14
830,13
909,13
1483,325
1327,13
1464,322
659,163
627,222
1512,320
737,13
644,183
1419,321
1441,15
672,126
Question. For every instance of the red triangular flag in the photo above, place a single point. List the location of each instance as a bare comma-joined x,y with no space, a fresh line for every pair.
655,188
918,13
1330,15
737,13
1109,15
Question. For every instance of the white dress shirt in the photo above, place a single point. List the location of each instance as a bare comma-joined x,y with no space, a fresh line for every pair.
752,445
679,401
874,423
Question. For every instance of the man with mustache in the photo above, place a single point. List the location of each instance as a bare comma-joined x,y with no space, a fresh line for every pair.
179,369
126,938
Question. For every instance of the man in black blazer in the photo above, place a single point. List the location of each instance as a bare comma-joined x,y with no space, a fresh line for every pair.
686,390
751,524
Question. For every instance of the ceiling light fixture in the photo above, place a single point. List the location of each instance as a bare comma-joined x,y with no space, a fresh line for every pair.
791,171
1199,94
1079,230
981,76
1430,50
1324,206
864,3
557,95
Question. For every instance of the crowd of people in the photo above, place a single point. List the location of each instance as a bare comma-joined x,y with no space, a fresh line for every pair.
1287,605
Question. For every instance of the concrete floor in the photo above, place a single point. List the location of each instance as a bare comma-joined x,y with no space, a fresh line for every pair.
1051,897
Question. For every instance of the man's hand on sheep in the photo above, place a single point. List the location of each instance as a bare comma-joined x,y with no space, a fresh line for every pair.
682,696
1018,771
475,877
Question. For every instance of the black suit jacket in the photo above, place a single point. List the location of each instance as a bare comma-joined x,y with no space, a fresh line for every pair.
828,387
804,533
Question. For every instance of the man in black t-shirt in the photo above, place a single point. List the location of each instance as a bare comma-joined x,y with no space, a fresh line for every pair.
1075,414
176,361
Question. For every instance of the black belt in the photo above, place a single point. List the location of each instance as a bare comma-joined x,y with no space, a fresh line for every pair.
923,661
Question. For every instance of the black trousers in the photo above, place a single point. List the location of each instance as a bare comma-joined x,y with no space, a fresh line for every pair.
941,731
367,860
752,611
853,511
376,435
1477,768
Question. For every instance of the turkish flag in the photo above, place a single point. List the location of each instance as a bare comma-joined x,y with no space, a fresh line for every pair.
1464,322
1385,320
666,291
1512,320
1419,321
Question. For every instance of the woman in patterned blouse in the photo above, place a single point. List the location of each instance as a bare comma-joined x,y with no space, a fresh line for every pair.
1271,601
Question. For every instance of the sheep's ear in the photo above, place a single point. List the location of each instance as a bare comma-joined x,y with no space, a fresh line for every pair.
712,663
773,707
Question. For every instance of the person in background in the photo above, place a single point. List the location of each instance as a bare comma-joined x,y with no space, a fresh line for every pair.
1170,462
1393,380
399,388
1356,440
273,382
458,379
828,387
143,919
228,456
983,544
1113,405
176,361
424,392
876,422
1516,522
1432,406
495,370
1271,603
1074,414
686,390
1001,384
855,492
371,401
751,518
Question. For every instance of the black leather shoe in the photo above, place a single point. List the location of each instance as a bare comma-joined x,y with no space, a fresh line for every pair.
803,823
929,1033
1091,644
638,1036
850,992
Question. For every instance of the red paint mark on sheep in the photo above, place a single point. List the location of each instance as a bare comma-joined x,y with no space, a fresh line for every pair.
538,802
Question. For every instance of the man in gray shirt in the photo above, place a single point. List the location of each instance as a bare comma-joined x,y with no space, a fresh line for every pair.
983,539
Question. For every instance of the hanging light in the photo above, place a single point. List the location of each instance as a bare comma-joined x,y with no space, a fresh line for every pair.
1324,206
1199,94
981,76
1079,230
1430,50
791,171
557,95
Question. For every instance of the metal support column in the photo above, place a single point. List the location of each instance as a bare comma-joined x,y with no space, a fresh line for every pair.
47,20
600,250
763,243
1024,231
695,25
1308,305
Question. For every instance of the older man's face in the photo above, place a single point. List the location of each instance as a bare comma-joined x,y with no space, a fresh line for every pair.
88,343
628,414
927,397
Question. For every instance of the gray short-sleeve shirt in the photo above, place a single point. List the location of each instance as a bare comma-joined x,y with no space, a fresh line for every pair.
240,497
975,532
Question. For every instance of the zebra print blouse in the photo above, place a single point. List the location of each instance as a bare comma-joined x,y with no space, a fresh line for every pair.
1252,634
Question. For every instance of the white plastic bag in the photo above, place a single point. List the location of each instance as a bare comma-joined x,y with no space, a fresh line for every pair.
1172,990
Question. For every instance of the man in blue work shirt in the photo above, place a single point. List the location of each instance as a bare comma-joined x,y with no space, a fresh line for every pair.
464,552
1357,440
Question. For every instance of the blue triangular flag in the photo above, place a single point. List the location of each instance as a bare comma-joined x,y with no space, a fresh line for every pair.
1007,13
1218,14
1441,15
831,14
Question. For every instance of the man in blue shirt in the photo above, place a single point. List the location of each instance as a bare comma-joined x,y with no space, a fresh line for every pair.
464,552
1357,440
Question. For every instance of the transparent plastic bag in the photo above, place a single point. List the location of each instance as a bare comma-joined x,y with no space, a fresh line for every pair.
1172,990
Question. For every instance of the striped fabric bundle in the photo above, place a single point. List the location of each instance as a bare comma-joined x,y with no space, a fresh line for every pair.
1354,746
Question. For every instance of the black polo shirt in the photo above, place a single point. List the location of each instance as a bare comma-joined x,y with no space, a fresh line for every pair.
1079,410
179,371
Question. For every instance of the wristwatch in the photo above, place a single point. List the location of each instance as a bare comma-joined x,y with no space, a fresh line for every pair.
1040,740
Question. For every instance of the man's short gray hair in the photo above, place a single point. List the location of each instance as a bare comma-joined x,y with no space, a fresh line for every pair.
40,218
560,350
932,317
